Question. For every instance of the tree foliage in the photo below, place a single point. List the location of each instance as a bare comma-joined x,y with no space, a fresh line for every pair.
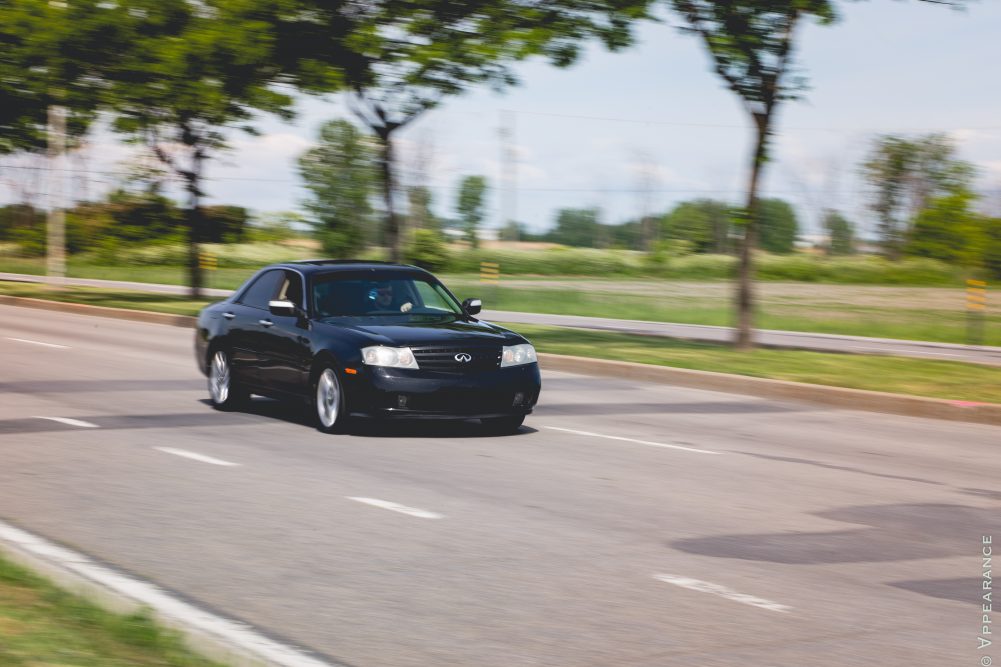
705,223
778,225
469,206
340,173
578,227
904,175
840,232
403,57
949,230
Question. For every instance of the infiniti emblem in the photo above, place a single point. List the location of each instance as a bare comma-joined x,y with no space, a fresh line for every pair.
463,357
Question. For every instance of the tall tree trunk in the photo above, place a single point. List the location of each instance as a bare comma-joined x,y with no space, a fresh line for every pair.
194,217
388,167
744,297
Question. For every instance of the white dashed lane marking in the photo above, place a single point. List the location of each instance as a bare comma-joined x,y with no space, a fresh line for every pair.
195,456
69,422
396,507
665,445
38,342
722,591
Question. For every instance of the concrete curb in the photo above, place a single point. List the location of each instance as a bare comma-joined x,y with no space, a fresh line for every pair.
216,638
839,397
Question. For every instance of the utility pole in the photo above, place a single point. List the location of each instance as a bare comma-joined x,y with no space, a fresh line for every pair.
509,170
56,225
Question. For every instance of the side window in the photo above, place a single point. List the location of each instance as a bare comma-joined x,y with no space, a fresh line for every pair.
291,288
262,290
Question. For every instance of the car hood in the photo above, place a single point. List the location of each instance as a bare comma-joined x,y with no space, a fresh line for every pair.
440,333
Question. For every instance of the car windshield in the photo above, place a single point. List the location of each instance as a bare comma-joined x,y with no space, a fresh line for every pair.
400,296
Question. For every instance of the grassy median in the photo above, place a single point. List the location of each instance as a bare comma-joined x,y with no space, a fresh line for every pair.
918,377
44,626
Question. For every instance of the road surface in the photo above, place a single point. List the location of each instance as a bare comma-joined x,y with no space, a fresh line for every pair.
981,354
627,524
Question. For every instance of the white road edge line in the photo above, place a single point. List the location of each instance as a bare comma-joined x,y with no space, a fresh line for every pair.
722,591
170,609
638,442
396,507
38,342
69,422
195,456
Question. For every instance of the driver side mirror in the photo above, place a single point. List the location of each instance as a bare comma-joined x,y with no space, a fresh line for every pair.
284,308
472,306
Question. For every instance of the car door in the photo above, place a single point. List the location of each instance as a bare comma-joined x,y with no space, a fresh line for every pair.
247,329
285,351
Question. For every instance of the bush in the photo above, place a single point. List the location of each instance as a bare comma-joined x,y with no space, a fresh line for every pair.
427,250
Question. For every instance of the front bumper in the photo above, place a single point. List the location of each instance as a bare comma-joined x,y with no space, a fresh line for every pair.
417,394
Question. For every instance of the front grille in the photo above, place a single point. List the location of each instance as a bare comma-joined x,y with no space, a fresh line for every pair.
443,359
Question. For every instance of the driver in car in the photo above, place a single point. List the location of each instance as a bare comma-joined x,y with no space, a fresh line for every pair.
384,298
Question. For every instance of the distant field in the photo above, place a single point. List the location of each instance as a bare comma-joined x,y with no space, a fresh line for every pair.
921,377
917,313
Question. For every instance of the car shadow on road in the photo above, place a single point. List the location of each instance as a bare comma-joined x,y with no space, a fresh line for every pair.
300,414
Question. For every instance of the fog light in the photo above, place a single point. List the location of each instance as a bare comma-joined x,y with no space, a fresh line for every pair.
401,401
519,398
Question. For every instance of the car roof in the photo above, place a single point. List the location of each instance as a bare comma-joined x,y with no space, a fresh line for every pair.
332,265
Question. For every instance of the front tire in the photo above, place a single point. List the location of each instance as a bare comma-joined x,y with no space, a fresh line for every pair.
503,425
328,401
224,392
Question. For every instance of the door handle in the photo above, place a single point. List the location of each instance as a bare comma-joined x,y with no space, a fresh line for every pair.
266,323
229,316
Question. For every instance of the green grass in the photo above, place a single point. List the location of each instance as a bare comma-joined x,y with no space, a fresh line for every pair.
44,626
160,303
918,377
942,320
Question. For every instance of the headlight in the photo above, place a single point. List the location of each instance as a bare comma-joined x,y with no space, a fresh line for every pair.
394,357
518,355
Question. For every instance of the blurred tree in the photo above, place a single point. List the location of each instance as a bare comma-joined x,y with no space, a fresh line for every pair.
419,210
51,53
992,247
577,227
905,175
427,250
778,225
340,172
513,231
704,223
225,223
751,43
631,235
194,69
949,230
401,59
841,233
469,206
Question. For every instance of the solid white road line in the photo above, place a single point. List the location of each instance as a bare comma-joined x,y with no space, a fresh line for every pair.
722,591
232,635
638,442
38,342
194,456
396,507
69,422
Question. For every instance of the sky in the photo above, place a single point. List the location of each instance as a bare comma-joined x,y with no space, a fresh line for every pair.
636,132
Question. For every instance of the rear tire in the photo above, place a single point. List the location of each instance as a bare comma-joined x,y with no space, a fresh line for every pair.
328,401
503,425
224,392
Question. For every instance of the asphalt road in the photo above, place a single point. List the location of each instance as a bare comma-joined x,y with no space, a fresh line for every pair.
626,524
980,354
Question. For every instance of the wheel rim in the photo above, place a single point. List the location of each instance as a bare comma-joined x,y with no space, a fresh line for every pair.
328,398
219,377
